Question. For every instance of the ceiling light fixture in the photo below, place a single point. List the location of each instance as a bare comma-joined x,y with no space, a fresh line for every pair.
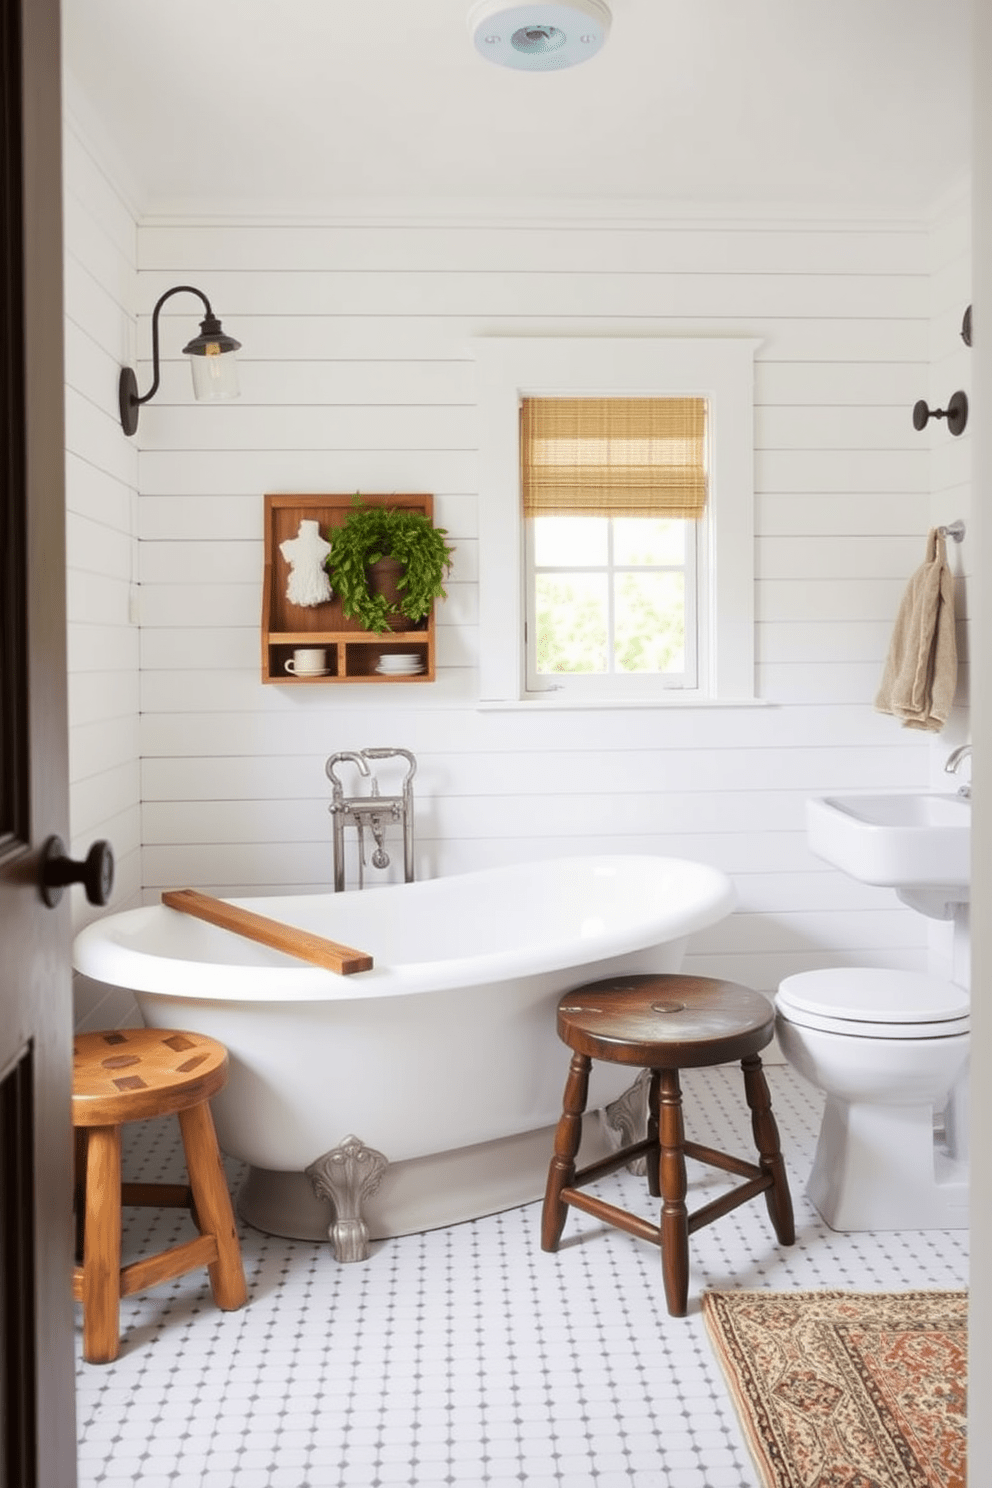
541,37
215,373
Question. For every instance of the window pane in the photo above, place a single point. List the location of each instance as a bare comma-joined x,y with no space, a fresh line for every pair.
571,623
648,540
566,542
650,622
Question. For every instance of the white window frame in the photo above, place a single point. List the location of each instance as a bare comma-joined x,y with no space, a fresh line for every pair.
721,370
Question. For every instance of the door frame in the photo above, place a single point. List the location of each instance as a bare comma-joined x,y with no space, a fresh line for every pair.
39,1448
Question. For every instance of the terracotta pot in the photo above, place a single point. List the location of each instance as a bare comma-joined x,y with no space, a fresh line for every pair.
384,578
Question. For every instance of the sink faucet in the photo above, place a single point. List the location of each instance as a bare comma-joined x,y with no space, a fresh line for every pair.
954,759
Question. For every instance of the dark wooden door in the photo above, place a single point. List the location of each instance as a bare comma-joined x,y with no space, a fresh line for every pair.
37,1416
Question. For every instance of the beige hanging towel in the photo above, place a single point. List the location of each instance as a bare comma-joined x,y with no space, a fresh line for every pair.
922,667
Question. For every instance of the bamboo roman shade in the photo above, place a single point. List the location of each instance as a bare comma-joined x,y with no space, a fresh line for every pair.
613,457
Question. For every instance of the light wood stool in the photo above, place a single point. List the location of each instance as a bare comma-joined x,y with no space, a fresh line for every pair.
127,1075
666,1023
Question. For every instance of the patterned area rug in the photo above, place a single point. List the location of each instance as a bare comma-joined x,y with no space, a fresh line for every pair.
847,1389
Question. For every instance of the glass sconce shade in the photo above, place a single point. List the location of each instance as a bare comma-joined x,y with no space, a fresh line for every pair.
214,376
212,362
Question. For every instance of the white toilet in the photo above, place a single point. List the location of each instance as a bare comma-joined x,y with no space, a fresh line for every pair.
889,1049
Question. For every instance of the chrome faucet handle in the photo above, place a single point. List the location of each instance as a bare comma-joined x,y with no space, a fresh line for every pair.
337,786
374,754
345,754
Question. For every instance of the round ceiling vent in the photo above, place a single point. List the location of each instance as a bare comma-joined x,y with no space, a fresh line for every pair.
539,37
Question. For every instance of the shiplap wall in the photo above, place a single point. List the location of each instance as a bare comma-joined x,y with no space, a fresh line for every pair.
950,457
951,498
357,373
101,537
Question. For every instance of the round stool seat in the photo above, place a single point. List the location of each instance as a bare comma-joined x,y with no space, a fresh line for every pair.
130,1074
874,1002
666,1022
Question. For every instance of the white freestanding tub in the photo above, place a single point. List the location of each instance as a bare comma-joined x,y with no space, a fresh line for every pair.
443,1058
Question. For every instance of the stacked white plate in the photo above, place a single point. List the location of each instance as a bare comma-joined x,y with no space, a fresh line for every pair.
400,663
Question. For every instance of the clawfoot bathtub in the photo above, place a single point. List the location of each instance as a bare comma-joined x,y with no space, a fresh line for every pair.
443,1060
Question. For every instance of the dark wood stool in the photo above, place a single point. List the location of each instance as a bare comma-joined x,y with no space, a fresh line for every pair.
665,1024
129,1075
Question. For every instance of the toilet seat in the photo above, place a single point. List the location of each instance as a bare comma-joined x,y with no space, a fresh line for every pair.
874,1002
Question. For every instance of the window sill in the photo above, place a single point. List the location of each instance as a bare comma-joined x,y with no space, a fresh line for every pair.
601,705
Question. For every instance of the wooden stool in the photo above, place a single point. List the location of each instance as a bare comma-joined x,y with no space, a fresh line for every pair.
130,1075
666,1023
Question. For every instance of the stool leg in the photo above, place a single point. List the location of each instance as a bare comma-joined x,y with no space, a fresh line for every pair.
102,1245
568,1135
653,1154
766,1140
79,1188
672,1180
213,1205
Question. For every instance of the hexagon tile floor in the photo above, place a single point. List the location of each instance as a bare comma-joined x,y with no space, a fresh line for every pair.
467,1356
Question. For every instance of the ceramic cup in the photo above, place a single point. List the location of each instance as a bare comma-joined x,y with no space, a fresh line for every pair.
308,661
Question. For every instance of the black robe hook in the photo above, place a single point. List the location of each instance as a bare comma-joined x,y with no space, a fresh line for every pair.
956,413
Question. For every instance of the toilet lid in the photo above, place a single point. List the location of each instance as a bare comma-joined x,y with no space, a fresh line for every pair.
876,995
883,1032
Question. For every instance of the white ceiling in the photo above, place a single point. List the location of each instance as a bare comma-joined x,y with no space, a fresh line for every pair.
318,105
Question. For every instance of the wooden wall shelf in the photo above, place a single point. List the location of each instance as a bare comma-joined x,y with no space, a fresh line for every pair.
353,654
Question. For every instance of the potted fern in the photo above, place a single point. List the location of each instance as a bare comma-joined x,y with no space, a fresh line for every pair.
387,566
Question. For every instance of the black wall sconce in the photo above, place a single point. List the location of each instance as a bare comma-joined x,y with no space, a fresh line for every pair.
956,413
212,363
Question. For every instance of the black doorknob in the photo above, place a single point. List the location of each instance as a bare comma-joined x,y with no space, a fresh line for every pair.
95,872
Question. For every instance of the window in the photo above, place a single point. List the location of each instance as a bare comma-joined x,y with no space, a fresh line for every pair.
630,562
610,600
612,491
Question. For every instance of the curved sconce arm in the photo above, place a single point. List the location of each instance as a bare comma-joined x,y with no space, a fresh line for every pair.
212,378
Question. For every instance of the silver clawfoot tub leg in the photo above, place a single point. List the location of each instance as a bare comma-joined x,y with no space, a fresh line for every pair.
347,1175
626,1120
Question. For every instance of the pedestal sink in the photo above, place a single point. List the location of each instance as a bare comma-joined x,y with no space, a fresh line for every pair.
916,842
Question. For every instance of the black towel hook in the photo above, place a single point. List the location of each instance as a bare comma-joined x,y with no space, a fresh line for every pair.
956,413
966,327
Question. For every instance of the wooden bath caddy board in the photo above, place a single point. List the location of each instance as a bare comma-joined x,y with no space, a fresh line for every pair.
301,943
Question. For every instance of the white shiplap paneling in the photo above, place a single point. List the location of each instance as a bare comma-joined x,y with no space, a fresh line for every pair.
358,374
950,487
101,540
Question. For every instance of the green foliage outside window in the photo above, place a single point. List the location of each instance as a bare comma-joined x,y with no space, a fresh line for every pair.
576,561
572,626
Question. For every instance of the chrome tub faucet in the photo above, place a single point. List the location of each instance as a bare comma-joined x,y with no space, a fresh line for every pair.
372,812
